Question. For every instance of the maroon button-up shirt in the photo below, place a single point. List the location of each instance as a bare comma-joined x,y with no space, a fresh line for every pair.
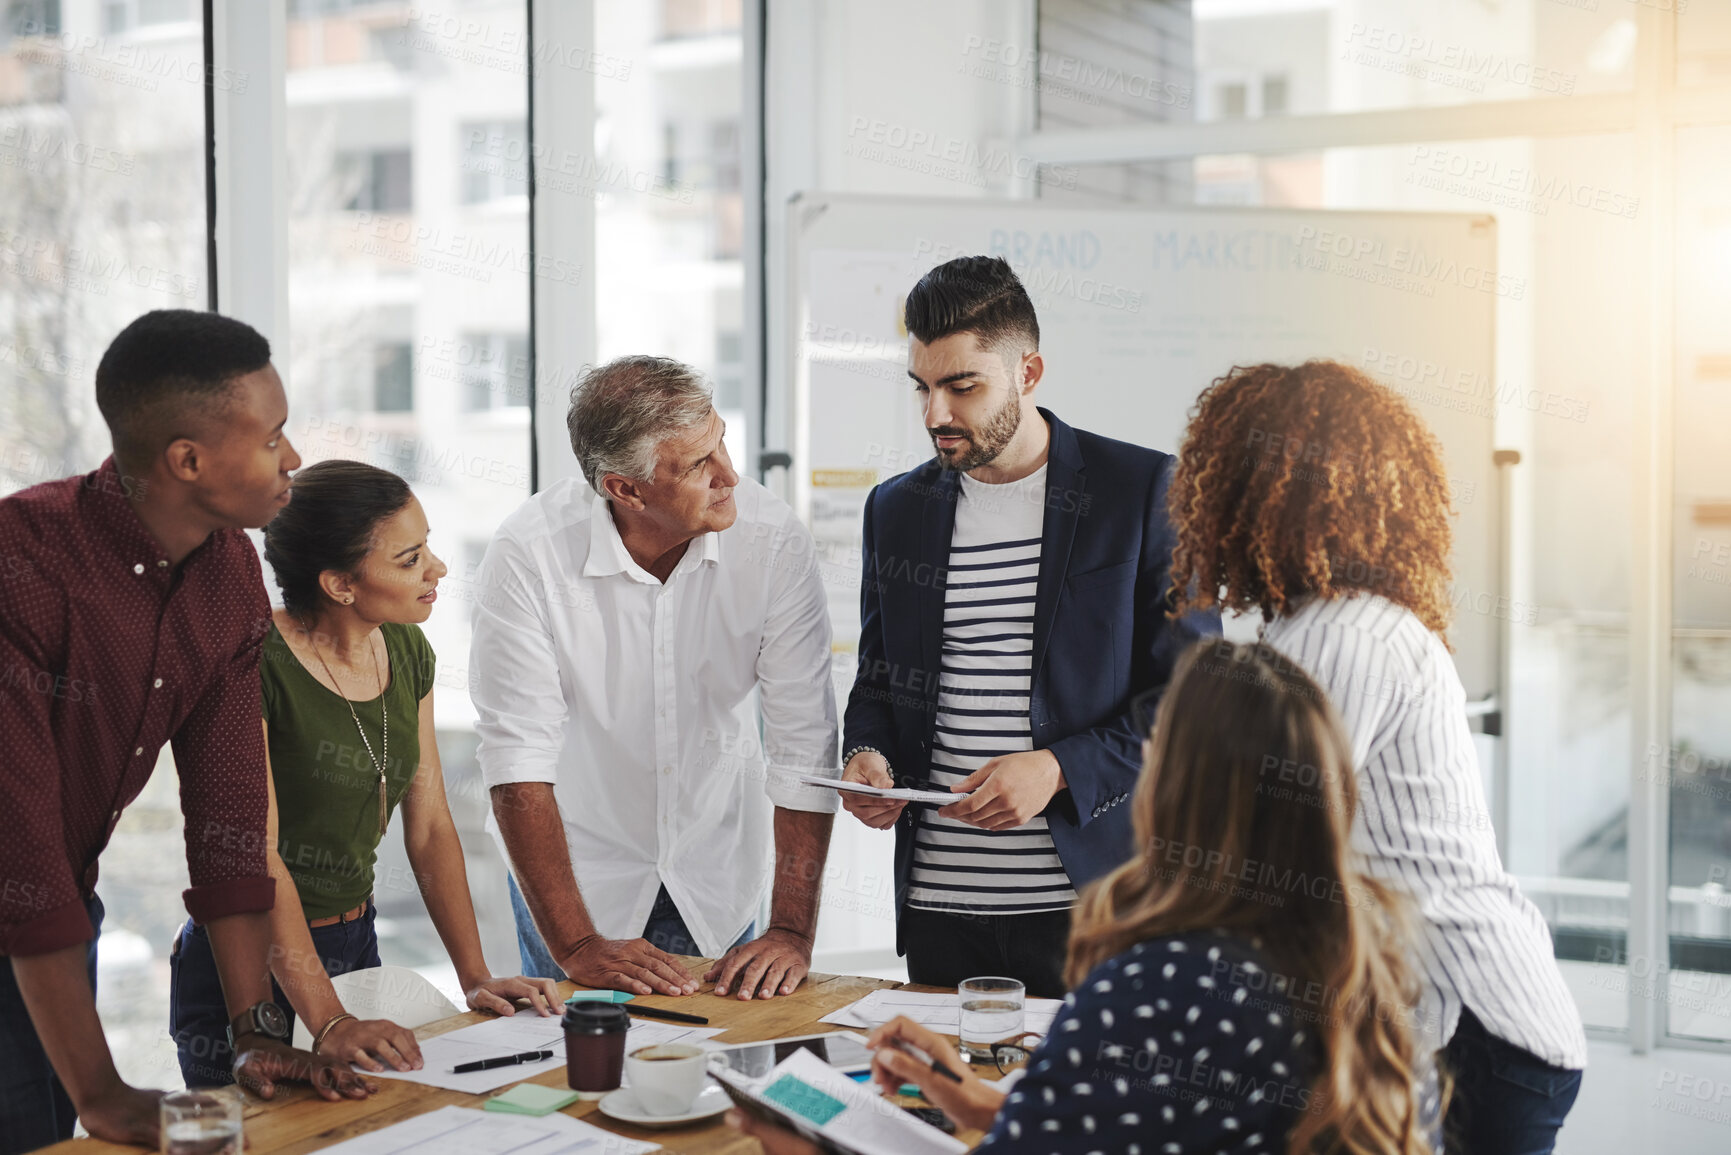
106,652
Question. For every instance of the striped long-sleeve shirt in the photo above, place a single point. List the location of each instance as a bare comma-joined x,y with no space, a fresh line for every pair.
1423,825
983,686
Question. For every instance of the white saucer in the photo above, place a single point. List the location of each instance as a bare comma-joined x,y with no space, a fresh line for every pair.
622,1105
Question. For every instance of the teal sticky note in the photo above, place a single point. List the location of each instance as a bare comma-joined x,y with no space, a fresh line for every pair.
531,1099
803,1099
600,997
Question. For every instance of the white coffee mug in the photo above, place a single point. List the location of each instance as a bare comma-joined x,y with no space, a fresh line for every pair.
666,1079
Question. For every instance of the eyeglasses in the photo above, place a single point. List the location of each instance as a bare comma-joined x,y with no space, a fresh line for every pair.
1018,1050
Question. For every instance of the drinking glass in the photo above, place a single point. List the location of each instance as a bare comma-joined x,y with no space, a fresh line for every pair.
202,1122
991,1012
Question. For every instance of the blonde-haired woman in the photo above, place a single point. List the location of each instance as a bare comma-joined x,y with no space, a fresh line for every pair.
1237,985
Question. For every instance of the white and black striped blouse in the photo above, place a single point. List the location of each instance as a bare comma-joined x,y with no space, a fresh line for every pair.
1423,824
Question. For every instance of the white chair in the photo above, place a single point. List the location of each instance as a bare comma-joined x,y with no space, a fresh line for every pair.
385,992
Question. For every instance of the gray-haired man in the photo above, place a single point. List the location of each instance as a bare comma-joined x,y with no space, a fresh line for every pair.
630,632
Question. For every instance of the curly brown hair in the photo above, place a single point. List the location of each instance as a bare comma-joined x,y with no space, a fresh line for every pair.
1309,479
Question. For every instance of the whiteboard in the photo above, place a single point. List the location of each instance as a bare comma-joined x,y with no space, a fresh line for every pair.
1139,310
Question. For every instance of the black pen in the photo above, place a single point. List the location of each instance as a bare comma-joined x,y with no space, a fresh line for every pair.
503,1061
658,1013
909,1049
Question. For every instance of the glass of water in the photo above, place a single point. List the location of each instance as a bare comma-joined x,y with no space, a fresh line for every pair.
204,1122
991,1012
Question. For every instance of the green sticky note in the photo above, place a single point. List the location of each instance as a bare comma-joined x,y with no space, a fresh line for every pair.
803,1100
600,997
531,1099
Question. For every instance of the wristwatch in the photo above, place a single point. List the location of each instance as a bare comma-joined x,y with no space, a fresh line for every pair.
264,1018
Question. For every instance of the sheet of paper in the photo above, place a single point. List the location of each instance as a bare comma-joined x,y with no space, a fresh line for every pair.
524,1031
490,1133
904,794
850,1113
939,1012
649,1033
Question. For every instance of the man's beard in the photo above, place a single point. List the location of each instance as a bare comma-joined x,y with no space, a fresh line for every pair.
984,444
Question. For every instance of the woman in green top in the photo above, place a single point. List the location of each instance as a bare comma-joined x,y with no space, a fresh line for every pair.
347,679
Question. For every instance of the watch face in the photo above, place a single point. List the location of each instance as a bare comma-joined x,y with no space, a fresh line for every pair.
271,1020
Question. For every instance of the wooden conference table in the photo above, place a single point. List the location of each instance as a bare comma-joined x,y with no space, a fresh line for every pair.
297,1120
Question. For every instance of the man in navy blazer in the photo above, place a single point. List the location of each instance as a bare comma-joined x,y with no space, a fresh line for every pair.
1013,604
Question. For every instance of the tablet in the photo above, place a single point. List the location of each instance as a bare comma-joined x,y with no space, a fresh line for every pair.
775,1116
843,1050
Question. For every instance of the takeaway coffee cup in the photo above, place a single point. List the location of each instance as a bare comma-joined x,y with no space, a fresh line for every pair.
666,1079
594,1047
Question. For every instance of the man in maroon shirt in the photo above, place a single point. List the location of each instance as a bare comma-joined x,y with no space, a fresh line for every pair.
132,612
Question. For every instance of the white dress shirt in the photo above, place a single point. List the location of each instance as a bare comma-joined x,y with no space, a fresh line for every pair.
1423,825
639,700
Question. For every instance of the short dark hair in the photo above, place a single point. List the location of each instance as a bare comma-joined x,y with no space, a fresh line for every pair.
329,524
978,295
164,364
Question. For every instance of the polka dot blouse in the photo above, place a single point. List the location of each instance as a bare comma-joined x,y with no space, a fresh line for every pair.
1176,1045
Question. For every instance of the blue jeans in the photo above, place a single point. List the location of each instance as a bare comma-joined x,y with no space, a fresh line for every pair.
1507,1101
665,930
35,1109
197,1014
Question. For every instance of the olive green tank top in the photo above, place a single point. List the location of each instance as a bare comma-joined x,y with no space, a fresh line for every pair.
327,788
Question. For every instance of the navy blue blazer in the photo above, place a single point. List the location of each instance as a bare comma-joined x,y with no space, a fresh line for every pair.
1101,634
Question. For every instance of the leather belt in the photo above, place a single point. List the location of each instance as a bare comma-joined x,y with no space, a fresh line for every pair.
346,916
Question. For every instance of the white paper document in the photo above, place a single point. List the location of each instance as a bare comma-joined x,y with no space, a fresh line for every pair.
524,1031
814,1095
939,1012
899,793
475,1132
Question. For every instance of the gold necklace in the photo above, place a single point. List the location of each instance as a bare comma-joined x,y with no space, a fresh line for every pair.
384,719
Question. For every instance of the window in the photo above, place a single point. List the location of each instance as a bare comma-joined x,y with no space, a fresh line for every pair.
495,369
1105,67
1273,95
382,180
102,208
1591,765
101,218
1697,765
30,18
394,378
724,155
1231,100
699,17
1338,57
408,302
466,568
495,160
1703,44
668,148
120,15
729,370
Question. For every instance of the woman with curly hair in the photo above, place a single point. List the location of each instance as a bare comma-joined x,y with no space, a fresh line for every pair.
1239,984
1319,498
